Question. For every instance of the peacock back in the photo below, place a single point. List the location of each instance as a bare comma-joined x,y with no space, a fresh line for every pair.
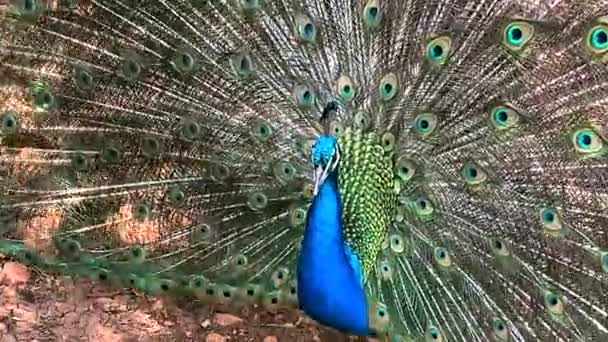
367,189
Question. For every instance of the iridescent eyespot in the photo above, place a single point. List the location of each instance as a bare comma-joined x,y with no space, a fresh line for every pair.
396,243
372,14
111,153
442,257
137,254
220,172
131,67
297,216
586,141
280,277
550,219
84,78
553,302
306,28
257,201
438,49
9,123
548,216
346,88
388,87
473,174
499,247
150,147
284,172
190,130
240,261
379,317
304,96
142,210
501,331
433,334
425,124
176,196
599,38
388,141
201,232
262,130
517,34
336,128
405,169
243,65
184,62
42,97
503,117
423,207
596,41
79,161
386,271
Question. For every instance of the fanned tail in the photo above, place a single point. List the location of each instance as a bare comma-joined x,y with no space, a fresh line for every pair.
163,145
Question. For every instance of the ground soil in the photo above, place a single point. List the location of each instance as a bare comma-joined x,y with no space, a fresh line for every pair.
36,306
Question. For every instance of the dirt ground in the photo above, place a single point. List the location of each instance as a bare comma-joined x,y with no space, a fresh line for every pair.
35,306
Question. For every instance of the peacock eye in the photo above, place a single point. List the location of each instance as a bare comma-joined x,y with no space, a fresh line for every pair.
345,88
388,87
516,35
588,142
437,50
504,118
372,14
306,29
597,40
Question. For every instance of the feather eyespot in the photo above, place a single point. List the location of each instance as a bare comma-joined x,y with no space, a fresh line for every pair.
425,124
306,29
504,118
438,50
596,41
346,88
473,174
517,35
372,14
388,87
588,142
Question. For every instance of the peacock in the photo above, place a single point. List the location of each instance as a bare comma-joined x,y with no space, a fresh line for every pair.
413,170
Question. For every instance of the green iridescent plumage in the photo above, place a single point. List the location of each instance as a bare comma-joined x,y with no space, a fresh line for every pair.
368,198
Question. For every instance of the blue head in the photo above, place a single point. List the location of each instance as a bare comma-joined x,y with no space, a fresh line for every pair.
324,157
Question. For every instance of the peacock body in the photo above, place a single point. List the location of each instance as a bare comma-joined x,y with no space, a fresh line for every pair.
458,192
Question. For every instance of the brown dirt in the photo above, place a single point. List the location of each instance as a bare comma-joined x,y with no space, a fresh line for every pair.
35,306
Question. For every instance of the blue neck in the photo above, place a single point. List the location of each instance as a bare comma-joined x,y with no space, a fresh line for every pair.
329,282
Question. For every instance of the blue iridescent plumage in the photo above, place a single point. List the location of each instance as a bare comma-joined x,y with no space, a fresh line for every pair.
329,275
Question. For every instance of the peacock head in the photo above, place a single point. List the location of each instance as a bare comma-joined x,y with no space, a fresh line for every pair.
325,157
325,153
